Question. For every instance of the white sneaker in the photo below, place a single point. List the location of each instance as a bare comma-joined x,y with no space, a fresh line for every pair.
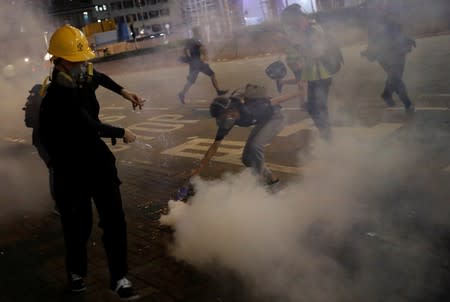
124,289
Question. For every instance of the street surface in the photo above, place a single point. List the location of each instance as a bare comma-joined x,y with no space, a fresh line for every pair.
172,138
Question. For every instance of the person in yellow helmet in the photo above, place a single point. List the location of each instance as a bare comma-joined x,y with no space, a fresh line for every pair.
83,166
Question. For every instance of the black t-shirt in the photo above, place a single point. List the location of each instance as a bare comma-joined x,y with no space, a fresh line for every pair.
194,46
251,112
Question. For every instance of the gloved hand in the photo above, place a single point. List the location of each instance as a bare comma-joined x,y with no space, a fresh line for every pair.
129,136
185,191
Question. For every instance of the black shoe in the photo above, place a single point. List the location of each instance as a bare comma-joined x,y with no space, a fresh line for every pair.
124,289
181,98
279,86
76,284
221,92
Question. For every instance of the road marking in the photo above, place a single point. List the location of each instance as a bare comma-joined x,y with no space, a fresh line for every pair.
160,124
113,108
18,140
154,108
379,130
111,118
368,133
296,127
229,152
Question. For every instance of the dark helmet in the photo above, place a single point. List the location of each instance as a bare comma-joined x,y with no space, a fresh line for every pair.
219,105
290,12
276,71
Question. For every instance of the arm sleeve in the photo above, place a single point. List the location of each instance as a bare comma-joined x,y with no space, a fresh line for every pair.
103,130
105,81
221,133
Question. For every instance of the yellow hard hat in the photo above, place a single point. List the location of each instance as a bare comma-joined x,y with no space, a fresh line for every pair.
69,43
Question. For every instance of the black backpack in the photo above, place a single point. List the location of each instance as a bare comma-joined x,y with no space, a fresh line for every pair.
332,59
32,109
33,105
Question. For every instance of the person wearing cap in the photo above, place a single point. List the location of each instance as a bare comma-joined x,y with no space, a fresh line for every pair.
388,45
252,109
83,166
194,54
308,39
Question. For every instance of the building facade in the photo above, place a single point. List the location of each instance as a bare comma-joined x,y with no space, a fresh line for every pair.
77,13
149,16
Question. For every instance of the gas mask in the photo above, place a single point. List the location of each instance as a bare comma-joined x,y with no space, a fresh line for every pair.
81,73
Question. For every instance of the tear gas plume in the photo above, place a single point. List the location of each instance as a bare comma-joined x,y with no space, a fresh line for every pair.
321,238
24,185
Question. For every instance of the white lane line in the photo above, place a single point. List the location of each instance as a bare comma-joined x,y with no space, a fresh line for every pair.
154,108
18,140
293,128
113,108
228,153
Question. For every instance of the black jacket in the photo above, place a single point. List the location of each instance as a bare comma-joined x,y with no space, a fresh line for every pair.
70,130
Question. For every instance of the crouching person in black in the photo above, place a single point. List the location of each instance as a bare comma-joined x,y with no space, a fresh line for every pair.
253,109
83,166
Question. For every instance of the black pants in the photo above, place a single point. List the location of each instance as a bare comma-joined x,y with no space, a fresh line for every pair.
394,66
75,206
317,105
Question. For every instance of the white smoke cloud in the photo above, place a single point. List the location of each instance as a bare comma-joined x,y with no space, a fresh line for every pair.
297,244
24,186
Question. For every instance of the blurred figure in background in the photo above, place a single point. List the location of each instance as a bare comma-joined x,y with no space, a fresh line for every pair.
389,45
195,55
308,40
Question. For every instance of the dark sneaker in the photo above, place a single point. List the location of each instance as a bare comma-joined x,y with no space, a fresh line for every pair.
181,98
221,92
279,86
76,284
124,289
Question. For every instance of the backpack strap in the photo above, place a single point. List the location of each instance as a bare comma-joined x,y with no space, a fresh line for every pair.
44,86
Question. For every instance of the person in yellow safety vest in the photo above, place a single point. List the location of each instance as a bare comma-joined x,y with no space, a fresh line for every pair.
309,40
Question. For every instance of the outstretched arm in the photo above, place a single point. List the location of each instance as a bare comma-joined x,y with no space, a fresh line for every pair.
105,81
207,157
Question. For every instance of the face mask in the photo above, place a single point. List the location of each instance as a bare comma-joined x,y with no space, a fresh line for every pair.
78,73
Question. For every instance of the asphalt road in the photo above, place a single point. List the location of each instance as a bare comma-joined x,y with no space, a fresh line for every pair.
166,128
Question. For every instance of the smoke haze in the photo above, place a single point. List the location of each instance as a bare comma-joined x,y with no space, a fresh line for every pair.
324,237
24,186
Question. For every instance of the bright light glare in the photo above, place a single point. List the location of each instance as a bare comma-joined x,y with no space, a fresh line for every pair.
47,57
26,60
